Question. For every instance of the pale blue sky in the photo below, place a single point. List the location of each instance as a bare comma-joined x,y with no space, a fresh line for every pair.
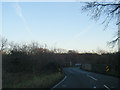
60,25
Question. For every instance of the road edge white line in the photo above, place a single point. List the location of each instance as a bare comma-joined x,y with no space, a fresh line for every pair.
107,87
59,82
92,77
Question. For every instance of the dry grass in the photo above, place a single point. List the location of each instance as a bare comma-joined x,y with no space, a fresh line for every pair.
20,80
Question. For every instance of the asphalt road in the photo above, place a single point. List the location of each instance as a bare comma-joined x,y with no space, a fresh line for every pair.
78,78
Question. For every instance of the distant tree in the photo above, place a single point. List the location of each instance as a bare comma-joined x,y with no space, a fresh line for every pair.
72,52
14,47
3,44
33,46
59,50
110,11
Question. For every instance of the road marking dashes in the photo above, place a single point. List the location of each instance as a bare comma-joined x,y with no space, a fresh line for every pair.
107,87
92,77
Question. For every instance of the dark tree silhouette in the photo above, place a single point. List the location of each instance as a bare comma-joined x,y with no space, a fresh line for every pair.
3,44
110,11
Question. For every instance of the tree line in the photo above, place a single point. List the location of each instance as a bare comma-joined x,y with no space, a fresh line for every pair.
35,58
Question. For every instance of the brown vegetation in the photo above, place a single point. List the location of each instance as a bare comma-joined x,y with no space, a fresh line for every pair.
34,59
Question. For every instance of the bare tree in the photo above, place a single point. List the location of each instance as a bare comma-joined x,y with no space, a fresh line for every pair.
110,11
3,44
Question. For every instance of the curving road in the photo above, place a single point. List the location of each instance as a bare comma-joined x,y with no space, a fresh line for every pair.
78,78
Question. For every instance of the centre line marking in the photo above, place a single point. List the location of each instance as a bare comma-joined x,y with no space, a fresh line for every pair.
92,77
107,87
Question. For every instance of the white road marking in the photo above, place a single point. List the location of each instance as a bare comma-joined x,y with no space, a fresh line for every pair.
107,87
92,77
94,87
59,82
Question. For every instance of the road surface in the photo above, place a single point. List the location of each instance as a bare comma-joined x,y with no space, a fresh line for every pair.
78,78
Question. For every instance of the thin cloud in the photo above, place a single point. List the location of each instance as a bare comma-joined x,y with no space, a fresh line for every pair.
82,32
18,10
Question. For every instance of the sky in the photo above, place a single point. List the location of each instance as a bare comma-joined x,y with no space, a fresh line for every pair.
57,24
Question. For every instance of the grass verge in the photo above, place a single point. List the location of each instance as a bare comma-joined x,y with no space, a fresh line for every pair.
31,81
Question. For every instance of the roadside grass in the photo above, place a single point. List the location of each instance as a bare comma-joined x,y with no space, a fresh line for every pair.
21,80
